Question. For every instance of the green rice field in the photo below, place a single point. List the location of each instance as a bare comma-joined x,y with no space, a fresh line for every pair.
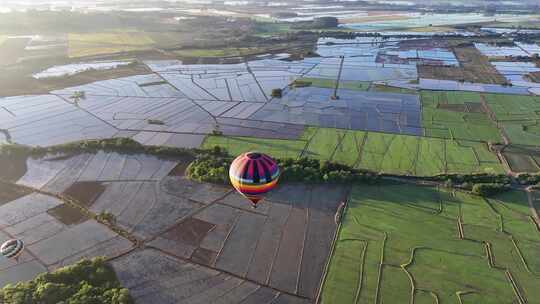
514,107
412,244
522,132
518,116
276,147
457,115
380,152
389,89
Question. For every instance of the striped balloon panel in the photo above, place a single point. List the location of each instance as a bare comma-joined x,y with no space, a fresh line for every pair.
254,171
254,190
12,248
253,174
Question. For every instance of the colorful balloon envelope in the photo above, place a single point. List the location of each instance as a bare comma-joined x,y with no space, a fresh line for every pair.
12,249
253,174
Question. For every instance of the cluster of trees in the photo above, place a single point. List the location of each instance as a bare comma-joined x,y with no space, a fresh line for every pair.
528,179
483,184
489,189
213,166
316,171
277,93
88,281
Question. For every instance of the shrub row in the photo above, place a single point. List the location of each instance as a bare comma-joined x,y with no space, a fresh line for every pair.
528,178
457,179
213,166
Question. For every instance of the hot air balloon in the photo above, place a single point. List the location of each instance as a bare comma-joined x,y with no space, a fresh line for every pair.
12,249
253,174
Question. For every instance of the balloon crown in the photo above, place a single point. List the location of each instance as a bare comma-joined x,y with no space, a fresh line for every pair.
253,155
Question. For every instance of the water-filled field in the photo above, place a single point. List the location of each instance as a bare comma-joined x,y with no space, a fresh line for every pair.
414,20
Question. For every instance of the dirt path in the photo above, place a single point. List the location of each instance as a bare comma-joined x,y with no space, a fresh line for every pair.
504,136
535,216
493,119
339,145
336,96
248,68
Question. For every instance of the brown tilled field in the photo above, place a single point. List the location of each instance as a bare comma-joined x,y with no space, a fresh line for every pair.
18,80
474,67
10,193
522,158
535,76
85,192
12,167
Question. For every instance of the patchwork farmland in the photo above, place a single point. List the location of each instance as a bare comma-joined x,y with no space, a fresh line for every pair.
478,250
380,152
363,104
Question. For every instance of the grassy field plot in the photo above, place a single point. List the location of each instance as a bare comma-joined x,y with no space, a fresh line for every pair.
459,158
349,150
384,254
323,144
513,107
380,152
423,156
354,85
432,29
90,44
315,82
389,89
278,148
431,157
457,115
518,115
220,52
522,132
331,83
